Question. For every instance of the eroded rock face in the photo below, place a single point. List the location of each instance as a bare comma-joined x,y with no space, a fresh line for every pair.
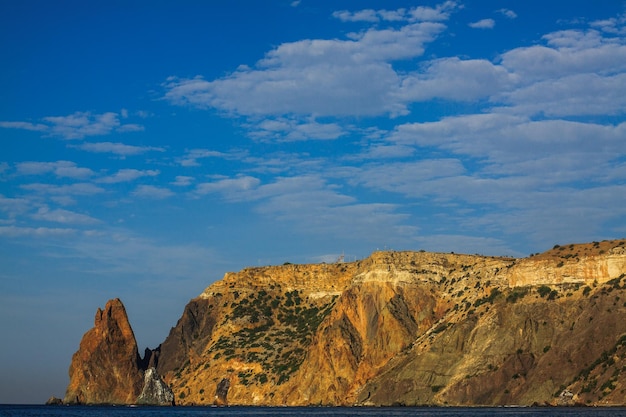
412,328
155,391
106,369
221,392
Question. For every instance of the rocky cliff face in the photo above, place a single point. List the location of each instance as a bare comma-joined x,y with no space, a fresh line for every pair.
409,328
106,369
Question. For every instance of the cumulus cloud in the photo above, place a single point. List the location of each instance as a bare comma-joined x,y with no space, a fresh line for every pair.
16,231
183,181
289,130
367,15
566,53
232,188
530,168
77,125
614,25
191,157
152,192
62,169
310,204
63,216
82,188
12,207
36,127
117,148
508,13
317,77
440,12
127,175
81,124
483,24
456,79
572,95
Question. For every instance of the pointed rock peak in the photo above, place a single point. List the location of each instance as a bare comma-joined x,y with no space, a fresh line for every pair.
113,316
107,368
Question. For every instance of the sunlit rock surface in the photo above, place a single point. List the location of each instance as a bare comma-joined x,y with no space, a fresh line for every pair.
411,328
106,369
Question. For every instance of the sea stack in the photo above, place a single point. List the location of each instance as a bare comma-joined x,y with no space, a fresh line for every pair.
106,369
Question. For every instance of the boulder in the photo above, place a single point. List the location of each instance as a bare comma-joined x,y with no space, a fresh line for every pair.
155,391
54,401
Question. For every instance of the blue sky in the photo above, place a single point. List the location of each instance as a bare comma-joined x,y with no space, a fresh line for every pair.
147,147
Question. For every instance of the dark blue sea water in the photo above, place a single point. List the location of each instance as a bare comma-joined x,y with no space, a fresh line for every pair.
53,411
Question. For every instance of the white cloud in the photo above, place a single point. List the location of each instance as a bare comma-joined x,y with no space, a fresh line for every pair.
297,83
456,79
440,12
573,95
63,216
507,138
232,188
405,177
62,169
615,25
16,231
483,24
81,124
289,130
567,53
13,206
64,190
77,125
183,181
36,127
191,156
529,168
117,148
310,204
367,15
152,192
508,13
315,77
130,127
126,175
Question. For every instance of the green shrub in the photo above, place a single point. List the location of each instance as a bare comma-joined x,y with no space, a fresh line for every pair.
544,290
516,295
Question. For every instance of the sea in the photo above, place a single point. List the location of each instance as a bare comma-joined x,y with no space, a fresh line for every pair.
122,411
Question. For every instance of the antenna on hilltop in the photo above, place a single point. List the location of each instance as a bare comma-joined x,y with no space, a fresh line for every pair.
341,258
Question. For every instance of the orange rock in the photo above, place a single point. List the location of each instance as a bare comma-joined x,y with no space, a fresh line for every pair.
106,369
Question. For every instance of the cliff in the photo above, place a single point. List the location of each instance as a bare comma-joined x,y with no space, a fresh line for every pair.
106,369
412,328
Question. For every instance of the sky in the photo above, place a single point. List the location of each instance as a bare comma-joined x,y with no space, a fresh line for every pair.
148,147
